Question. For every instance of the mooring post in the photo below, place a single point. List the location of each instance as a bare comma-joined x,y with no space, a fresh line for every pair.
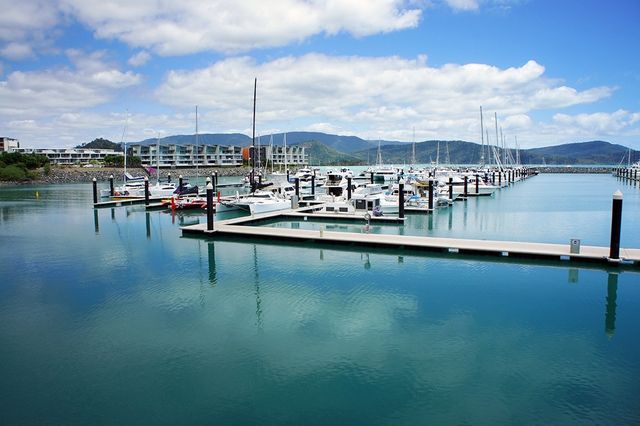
313,183
500,179
401,198
616,222
95,191
430,194
297,180
371,177
146,191
209,207
465,186
180,181
111,185
477,184
348,188
169,177
287,175
451,188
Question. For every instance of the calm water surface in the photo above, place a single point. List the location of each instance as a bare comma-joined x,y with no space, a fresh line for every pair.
112,317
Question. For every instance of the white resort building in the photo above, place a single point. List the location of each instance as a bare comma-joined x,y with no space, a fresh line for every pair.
190,155
70,156
8,144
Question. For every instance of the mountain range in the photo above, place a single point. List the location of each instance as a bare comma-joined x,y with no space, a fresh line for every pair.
328,149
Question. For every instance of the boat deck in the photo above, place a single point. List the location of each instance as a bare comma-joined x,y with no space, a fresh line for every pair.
560,252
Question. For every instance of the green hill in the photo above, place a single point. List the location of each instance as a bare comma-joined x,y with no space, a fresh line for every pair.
101,143
594,152
327,149
322,155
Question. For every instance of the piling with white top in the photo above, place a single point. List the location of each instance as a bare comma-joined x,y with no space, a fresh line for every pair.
180,181
348,188
111,185
616,223
431,194
146,191
95,191
168,177
209,207
451,188
465,186
401,198
477,184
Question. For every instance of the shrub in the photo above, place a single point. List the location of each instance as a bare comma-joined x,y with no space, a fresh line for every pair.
13,173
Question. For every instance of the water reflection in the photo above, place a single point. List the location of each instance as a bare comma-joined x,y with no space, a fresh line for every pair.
612,294
256,277
147,220
96,223
211,250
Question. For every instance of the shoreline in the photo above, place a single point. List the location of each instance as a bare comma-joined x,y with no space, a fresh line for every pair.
62,175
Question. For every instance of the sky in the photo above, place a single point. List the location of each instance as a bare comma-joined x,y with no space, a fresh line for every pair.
552,72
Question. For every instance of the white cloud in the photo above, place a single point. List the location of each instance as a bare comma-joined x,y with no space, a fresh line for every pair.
30,94
25,25
600,123
16,51
20,18
139,58
385,96
463,5
173,28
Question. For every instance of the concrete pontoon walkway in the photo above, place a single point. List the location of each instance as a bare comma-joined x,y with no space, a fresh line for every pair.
560,252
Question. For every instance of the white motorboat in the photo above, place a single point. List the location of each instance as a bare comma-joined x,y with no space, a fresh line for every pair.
257,202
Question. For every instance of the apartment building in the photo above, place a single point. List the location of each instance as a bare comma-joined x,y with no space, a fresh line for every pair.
190,155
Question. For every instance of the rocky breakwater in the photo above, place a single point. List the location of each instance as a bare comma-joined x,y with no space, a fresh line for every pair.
102,174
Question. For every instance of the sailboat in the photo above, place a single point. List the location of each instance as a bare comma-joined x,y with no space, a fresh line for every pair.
381,172
258,200
131,186
160,189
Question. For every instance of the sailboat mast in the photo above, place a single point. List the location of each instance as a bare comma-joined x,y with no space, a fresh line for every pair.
197,148
284,138
413,148
495,115
124,130
253,138
482,139
158,163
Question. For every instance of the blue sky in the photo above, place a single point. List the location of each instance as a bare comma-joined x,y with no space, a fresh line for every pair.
553,71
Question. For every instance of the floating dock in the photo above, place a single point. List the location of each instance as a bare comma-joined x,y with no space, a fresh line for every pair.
512,249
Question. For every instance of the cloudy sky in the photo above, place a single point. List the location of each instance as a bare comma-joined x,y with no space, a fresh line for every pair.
553,71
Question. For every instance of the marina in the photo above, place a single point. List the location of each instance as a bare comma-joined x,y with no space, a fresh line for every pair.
259,315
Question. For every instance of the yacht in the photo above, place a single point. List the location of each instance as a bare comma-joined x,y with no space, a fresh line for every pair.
260,201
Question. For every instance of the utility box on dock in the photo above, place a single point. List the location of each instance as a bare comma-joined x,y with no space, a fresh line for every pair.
574,246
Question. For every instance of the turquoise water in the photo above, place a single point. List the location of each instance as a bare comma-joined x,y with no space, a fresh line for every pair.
552,208
112,317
